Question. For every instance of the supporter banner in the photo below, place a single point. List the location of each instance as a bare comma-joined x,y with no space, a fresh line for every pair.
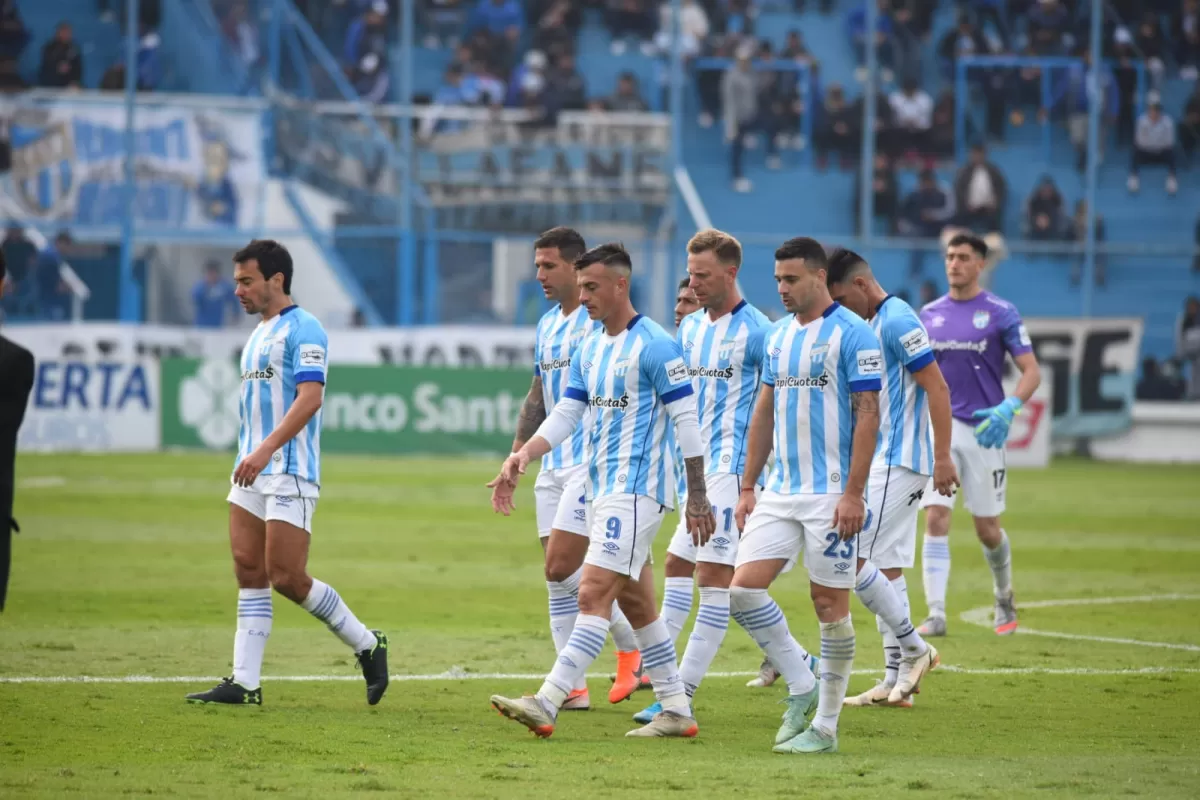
1094,365
1094,362
1029,437
380,410
92,406
197,169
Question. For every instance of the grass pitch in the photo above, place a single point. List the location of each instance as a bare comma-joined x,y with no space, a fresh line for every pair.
123,570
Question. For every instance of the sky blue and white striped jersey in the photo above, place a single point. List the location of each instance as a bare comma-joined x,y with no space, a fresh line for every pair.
283,352
627,381
558,339
814,369
904,426
724,360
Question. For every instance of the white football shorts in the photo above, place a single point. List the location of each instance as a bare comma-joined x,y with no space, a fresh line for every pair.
982,471
785,525
893,498
558,497
723,492
285,498
622,528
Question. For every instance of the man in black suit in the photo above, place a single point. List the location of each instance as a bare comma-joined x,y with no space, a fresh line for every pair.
16,381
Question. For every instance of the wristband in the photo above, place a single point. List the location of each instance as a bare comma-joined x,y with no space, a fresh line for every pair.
744,489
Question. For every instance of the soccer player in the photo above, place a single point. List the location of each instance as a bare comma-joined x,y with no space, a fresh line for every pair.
971,330
277,478
631,380
913,398
819,402
722,346
559,488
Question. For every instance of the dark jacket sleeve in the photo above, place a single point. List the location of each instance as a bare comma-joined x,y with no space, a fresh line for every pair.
17,365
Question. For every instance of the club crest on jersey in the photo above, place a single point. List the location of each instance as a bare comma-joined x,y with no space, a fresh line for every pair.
621,367
937,321
981,319
725,349
817,354
576,335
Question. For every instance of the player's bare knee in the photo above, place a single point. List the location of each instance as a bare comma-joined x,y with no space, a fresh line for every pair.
676,567
290,582
558,568
988,530
937,521
249,569
596,595
746,598
639,612
830,604
714,576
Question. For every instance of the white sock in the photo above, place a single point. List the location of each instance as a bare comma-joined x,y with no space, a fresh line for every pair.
658,660
564,608
586,642
1000,560
326,605
935,568
621,630
755,611
837,659
891,647
250,642
677,604
876,593
712,620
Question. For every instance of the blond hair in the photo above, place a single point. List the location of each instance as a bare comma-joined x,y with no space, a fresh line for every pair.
727,249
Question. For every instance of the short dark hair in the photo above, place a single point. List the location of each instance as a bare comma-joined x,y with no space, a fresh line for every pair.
272,257
970,240
809,250
612,254
569,242
843,264
683,284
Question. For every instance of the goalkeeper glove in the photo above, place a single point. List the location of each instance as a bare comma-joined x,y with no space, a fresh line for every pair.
993,430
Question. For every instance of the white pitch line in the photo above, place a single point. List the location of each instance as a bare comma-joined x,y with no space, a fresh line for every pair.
982,616
529,676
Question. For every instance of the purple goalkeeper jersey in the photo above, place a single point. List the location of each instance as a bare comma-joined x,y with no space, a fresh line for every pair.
969,339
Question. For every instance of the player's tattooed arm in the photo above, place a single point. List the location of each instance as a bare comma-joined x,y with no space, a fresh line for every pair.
865,406
699,510
533,414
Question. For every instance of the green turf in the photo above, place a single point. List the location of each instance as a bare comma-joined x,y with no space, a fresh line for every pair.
122,569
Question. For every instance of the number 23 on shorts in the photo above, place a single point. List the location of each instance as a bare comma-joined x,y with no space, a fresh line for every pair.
834,540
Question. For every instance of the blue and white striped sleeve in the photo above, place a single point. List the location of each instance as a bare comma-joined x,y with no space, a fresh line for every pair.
662,363
310,348
861,360
906,336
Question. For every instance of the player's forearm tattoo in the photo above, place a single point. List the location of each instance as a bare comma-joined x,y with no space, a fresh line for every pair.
533,412
697,491
865,404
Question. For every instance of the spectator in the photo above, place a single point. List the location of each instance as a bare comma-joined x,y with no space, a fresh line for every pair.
926,211
1078,233
981,191
794,48
630,19
741,17
149,60
739,106
565,89
856,29
503,19
10,81
21,256
774,102
367,34
1185,31
242,34
113,79
13,35
51,291
1156,385
693,24
1154,143
555,30
1126,72
1189,125
885,201
212,297
839,130
62,63
943,138
1072,92
912,116
1044,215
369,79
929,293
1048,23
533,63
991,11
1152,45
1187,344
964,40
627,97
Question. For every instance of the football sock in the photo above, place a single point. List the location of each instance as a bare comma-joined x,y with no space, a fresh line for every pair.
621,630
250,642
563,609
837,659
762,618
658,660
581,649
935,568
326,605
676,604
876,593
1000,560
712,620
